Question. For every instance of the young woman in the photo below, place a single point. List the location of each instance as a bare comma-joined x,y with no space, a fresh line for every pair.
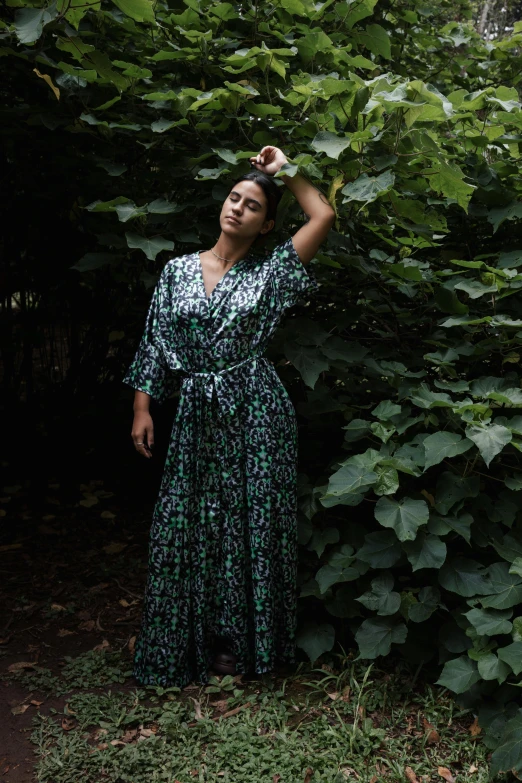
221,590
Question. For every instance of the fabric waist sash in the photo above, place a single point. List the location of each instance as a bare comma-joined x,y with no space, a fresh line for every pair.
225,383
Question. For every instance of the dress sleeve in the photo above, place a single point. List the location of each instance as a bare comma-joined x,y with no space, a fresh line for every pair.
291,279
149,371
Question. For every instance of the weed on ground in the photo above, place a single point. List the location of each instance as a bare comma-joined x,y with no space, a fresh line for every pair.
354,722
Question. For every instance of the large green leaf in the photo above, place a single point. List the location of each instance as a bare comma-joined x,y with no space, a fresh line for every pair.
140,10
367,189
405,516
441,445
512,655
427,551
376,636
316,639
490,439
505,588
381,598
507,757
489,623
328,142
427,603
151,246
380,549
464,577
377,40
459,674
308,360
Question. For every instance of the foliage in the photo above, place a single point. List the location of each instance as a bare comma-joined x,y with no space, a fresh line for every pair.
313,727
410,484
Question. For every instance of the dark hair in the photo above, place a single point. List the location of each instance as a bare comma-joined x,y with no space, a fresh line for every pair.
270,189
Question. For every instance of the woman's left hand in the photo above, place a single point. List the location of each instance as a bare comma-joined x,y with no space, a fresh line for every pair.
269,160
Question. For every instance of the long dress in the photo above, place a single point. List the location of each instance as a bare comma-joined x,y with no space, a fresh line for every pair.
223,541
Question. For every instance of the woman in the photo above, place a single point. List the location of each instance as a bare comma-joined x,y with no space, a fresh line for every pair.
221,588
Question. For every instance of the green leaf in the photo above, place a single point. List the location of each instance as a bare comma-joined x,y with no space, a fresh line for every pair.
381,598
150,246
161,206
490,439
316,639
507,756
444,444
387,480
380,549
405,516
452,488
139,10
93,261
350,479
512,655
447,178
29,23
427,551
464,577
376,635
428,601
308,360
489,623
506,588
338,569
321,539
376,39
385,410
459,674
491,668
330,143
367,189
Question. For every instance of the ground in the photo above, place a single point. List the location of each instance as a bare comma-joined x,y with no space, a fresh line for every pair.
72,581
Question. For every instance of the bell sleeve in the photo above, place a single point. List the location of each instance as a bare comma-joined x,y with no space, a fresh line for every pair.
291,280
149,371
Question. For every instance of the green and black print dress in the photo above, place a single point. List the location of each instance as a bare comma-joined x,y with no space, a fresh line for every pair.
223,541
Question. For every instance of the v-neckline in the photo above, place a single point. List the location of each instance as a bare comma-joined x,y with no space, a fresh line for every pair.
202,279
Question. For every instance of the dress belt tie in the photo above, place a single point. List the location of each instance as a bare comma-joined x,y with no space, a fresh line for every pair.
229,394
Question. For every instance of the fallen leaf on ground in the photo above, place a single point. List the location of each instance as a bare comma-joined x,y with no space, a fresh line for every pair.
47,530
129,735
123,602
410,774
432,735
36,703
7,547
19,665
87,625
58,608
197,709
236,710
107,515
446,774
65,632
102,646
334,696
308,775
147,733
114,548
131,645
472,769
276,778
68,724
19,709
475,729
117,742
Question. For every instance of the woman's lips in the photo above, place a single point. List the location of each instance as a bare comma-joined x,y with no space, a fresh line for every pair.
233,220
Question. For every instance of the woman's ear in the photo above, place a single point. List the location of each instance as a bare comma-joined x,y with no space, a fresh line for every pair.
267,226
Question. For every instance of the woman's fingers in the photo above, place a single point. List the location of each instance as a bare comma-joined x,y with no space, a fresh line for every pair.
142,442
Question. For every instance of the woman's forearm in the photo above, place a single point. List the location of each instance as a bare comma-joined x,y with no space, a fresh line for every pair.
314,203
141,402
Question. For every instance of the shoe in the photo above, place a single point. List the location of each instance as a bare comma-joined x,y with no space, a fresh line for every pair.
225,663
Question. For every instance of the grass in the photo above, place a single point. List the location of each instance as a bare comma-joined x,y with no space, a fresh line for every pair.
350,721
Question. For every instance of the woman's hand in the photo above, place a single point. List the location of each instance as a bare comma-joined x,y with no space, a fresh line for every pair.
269,160
143,433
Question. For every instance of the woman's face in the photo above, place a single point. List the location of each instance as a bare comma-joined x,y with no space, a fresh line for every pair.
243,212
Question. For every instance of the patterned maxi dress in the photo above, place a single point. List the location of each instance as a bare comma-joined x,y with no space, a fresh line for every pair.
223,541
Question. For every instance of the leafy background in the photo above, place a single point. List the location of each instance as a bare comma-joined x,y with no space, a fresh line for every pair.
123,123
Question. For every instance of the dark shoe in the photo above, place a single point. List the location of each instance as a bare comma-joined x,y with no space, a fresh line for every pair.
225,663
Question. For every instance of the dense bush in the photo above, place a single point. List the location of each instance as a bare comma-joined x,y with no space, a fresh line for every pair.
410,483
